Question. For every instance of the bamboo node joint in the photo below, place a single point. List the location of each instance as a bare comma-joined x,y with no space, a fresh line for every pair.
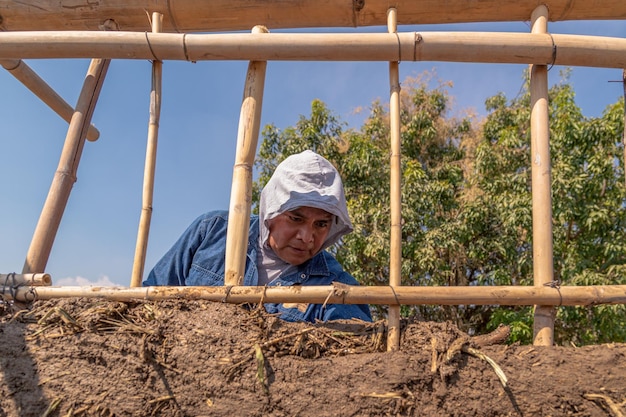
243,165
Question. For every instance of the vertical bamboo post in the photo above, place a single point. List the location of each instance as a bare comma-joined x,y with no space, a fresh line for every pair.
395,251
65,176
149,167
543,268
241,191
624,120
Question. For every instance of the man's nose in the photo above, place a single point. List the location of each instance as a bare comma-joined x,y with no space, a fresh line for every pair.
305,233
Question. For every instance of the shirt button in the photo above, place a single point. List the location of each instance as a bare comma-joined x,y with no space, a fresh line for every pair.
303,276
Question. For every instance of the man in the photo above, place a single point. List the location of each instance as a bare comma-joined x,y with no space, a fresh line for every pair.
302,212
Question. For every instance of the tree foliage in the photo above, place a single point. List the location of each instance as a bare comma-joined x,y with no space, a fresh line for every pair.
466,201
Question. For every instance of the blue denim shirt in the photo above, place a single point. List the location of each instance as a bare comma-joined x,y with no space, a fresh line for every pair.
198,258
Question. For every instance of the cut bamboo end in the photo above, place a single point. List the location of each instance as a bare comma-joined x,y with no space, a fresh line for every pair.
13,280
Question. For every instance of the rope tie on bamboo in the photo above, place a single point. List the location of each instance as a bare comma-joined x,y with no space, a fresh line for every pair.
418,39
185,51
338,290
556,284
553,52
155,59
399,47
228,288
14,287
394,295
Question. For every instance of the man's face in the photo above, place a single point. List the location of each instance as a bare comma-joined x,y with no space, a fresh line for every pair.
297,235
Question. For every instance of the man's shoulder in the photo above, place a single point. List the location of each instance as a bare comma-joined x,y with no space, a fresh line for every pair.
213,218
222,214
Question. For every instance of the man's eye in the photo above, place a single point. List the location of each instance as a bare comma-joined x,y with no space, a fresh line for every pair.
294,218
322,224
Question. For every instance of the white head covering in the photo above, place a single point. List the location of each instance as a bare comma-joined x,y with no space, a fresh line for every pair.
302,180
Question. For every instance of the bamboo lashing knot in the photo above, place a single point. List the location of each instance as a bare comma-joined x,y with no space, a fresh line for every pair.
556,284
339,290
399,47
228,289
263,295
15,285
185,51
330,293
151,50
394,295
553,52
417,40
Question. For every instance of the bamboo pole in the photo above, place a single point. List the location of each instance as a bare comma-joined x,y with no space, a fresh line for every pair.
65,176
41,89
230,15
12,280
624,121
344,294
150,164
543,268
395,249
241,191
485,47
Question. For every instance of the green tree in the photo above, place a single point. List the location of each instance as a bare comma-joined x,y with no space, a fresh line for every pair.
588,206
466,201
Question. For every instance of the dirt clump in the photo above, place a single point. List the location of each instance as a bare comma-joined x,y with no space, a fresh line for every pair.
89,357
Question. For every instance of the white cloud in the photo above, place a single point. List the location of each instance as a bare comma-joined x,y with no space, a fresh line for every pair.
103,281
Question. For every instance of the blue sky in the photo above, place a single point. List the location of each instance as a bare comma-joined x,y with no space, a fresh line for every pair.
95,243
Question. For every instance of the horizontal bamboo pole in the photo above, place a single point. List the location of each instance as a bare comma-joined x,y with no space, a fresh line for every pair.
343,294
11,280
41,89
485,47
222,15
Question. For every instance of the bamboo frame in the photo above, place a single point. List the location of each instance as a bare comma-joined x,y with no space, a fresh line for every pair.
241,191
65,176
543,268
478,47
229,15
41,89
150,164
537,48
348,294
395,244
